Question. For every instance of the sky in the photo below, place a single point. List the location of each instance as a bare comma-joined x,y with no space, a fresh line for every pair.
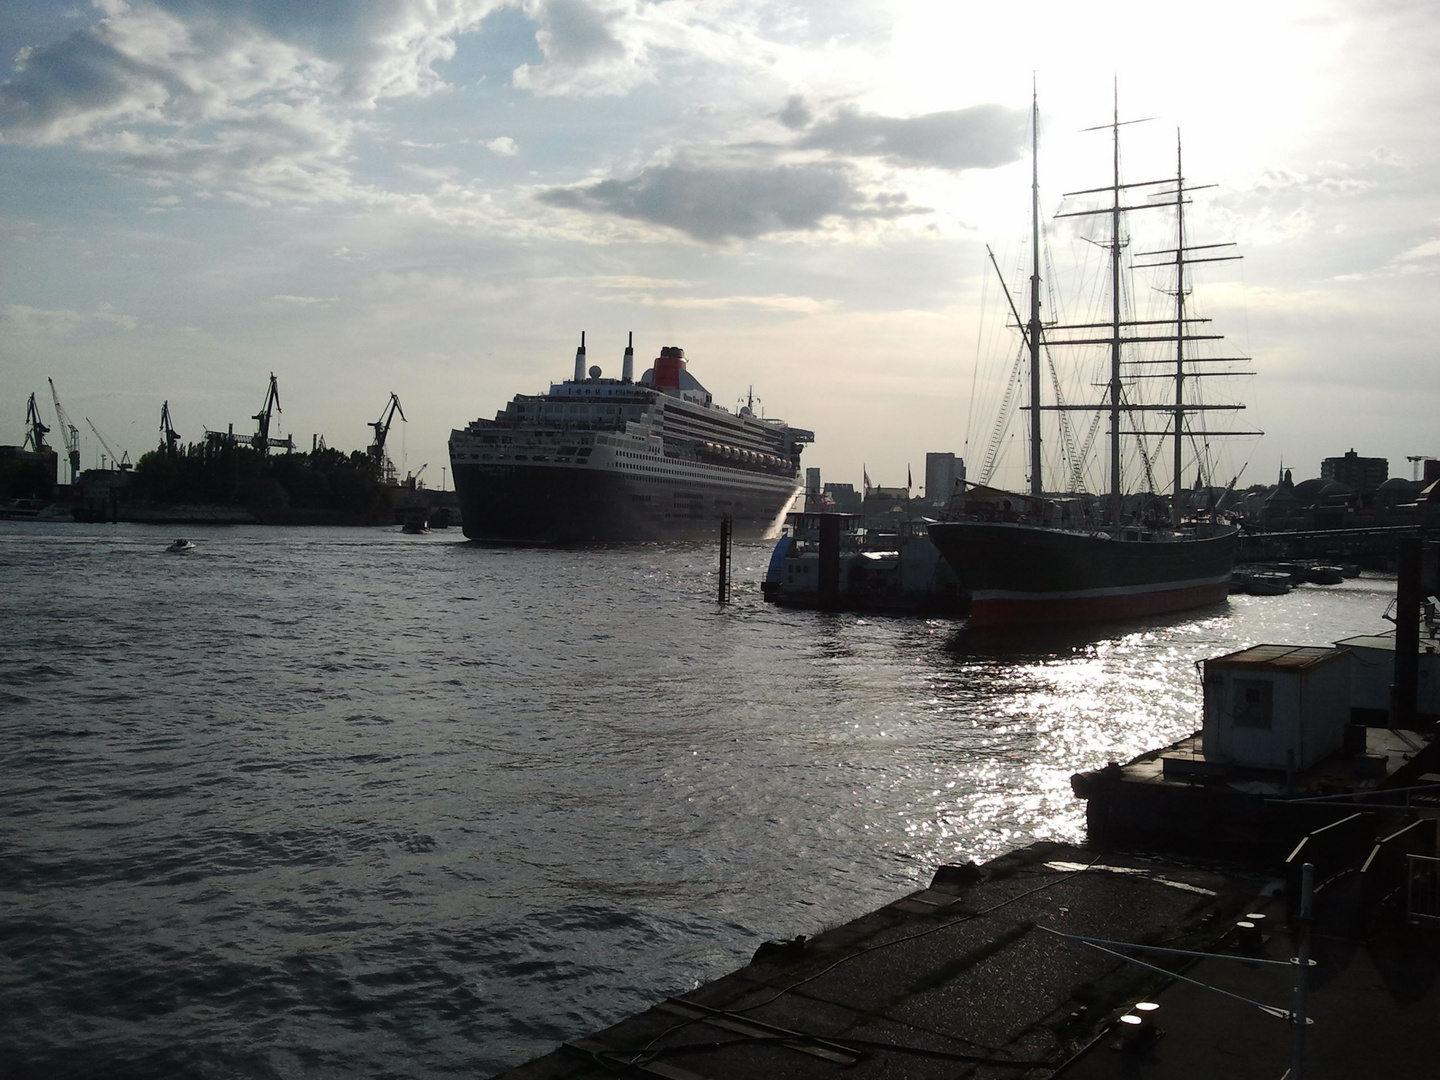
436,197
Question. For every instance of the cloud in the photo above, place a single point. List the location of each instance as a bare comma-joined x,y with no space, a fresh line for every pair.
980,137
504,146
1430,249
716,202
257,97
23,319
780,302
591,48
636,281
796,115
1330,178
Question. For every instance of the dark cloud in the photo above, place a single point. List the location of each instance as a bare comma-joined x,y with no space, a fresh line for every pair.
722,202
796,115
173,61
981,137
77,77
578,35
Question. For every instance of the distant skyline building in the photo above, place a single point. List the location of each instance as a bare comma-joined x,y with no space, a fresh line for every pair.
942,473
1356,472
847,500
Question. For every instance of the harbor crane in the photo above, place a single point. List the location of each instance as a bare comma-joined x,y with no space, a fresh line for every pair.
382,429
122,461
35,437
167,429
69,433
261,439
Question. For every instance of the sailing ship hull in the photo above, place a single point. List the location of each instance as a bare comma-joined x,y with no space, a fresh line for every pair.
589,505
1025,575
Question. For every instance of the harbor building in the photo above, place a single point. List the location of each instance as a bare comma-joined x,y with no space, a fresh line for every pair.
942,473
1356,472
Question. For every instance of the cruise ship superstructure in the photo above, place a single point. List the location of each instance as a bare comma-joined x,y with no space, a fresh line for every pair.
597,460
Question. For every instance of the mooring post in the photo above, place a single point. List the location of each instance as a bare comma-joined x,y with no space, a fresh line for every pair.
1302,962
1405,689
829,568
727,529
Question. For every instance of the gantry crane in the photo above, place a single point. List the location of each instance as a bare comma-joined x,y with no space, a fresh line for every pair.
69,433
167,429
382,429
122,462
35,437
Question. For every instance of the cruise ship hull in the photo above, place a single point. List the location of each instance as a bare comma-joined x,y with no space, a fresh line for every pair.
1024,575
588,505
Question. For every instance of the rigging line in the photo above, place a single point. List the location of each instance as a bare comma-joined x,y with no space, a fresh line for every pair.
975,367
1002,423
1068,455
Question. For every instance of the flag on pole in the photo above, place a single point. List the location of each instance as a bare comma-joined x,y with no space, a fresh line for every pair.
866,477
909,480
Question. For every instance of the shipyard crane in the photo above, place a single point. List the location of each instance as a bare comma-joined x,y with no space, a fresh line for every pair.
122,462
35,437
412,479
261,439
382,429
69,433
167,429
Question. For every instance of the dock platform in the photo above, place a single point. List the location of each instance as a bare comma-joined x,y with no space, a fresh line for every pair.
957,979
962,980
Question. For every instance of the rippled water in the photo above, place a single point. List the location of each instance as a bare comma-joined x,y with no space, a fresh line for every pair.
349,802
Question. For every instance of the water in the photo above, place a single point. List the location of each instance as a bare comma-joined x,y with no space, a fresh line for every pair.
330,802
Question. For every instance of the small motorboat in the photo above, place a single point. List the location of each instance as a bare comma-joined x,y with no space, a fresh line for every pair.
1267,583
180,546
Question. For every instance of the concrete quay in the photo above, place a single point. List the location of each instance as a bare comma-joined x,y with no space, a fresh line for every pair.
962,979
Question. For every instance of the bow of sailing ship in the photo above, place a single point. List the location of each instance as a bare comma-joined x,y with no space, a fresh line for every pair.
597,460
1037,558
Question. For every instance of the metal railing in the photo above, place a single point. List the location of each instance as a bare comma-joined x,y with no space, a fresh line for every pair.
1422,888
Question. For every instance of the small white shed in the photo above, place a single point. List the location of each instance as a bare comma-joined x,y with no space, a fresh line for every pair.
1276,706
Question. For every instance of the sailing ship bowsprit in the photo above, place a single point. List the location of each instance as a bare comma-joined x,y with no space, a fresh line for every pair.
1035,559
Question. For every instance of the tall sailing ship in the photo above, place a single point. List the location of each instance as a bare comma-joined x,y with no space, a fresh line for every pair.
1032,558
599,460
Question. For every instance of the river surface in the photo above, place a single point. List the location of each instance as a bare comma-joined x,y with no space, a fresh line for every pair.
346,802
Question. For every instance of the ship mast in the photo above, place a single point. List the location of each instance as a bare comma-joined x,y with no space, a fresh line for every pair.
1036,487
1116,491
1119,332
1176,511
1183,255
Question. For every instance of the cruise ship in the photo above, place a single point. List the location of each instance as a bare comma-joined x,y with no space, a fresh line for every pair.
597,460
